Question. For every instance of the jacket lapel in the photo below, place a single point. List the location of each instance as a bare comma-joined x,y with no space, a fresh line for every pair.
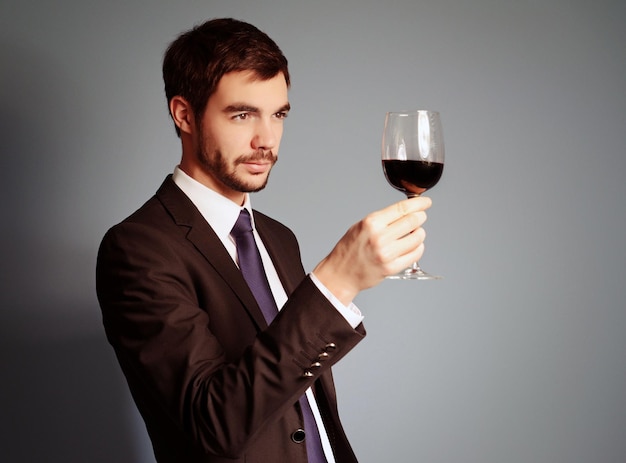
288,267
204,239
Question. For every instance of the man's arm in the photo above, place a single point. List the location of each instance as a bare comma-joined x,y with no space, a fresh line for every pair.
149,290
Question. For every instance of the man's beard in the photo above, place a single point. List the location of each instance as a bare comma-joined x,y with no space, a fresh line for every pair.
218,168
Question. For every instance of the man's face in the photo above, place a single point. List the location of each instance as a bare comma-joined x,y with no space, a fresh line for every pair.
239,133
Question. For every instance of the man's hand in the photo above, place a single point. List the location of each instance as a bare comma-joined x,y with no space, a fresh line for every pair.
383,243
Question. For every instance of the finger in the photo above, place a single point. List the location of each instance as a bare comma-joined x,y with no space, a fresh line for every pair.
406,224
414,256
407,244
404,261
395,211
402,248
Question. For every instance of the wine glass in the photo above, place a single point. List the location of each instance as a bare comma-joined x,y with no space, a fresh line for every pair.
412,156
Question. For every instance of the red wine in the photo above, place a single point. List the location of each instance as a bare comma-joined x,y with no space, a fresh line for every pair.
412,177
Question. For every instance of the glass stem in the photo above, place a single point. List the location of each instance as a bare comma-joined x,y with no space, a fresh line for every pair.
416,269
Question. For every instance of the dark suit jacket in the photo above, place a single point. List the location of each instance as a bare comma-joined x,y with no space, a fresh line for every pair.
212,381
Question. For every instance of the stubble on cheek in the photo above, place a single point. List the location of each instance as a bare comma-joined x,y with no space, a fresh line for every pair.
233,175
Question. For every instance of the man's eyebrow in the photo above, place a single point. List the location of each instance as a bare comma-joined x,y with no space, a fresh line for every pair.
240,108
245,108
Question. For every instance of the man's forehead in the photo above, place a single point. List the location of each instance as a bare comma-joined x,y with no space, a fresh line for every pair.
250,78
247,87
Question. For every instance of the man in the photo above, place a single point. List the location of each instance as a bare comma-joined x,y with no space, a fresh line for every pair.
215,377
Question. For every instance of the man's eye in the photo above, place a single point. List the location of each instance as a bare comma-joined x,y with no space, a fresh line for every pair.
282,114
241,117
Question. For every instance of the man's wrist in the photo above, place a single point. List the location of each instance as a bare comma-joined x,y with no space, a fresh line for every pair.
350,312
341,291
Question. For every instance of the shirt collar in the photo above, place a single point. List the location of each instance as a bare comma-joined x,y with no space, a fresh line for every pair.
220,212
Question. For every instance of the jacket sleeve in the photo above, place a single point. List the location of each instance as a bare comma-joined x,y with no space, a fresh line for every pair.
177,367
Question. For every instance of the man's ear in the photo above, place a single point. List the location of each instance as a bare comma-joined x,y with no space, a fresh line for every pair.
182,114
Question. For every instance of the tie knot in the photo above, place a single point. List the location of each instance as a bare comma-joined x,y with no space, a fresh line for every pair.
243,224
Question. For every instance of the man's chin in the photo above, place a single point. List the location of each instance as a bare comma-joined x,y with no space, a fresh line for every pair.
259,186
250,185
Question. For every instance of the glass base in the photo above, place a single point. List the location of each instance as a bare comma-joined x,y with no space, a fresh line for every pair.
414,273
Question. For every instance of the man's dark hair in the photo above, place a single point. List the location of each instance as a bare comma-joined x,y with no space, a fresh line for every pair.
196,61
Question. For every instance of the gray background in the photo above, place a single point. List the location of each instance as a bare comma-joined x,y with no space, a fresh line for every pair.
518,355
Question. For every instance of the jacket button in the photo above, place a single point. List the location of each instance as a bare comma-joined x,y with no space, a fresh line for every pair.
330,346
298,436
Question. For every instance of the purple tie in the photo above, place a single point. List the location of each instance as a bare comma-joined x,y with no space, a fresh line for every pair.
253,272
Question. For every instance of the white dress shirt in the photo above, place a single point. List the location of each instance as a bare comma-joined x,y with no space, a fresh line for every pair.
221,214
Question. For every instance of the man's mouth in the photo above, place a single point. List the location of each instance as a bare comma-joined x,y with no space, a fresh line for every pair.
258,163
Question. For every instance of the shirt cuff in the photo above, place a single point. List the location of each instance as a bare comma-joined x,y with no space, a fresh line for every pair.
351,313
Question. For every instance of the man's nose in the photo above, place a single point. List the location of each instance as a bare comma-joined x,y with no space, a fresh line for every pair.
265,137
